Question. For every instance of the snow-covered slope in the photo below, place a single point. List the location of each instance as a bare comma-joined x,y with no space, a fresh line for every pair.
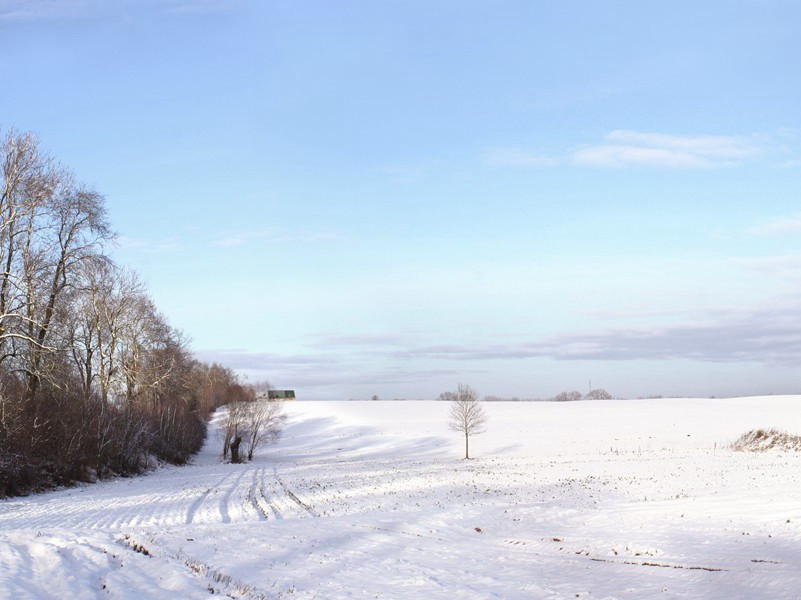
603,499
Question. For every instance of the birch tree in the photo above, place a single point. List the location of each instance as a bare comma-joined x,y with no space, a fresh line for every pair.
93,379
467,416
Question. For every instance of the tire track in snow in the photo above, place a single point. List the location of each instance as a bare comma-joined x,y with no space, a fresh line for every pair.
308,508
256,496
225,501
276,498
193,508
542,548
270,501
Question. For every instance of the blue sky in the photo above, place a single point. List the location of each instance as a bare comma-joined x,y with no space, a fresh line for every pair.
358,198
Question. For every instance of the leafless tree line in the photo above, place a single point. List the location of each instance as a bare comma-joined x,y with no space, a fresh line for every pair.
92,377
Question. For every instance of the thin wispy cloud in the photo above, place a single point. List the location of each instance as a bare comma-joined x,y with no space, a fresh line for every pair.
770,336
517,157
789,264
623,148
34,10
198,7
275,235
639,313
788,225
309,371
148,246
632,149
226,239
323,340
239,358
29,10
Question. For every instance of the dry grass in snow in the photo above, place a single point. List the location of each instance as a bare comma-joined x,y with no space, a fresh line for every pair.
762,440
600,499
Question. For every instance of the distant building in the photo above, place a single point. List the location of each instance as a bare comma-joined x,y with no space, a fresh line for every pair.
281,395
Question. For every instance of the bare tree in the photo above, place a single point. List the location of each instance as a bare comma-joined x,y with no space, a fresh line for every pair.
99,318
234,430
265,420
76,229
598,394
262,387
93,379
28,182
212,383
255,423
467,416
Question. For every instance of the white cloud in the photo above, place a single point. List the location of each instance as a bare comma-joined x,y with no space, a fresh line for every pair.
198,7
790,263
34,10
25,10
632,156
710,146
782,226
623,148
148,246
627,149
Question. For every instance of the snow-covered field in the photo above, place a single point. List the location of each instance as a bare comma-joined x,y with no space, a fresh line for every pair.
605,499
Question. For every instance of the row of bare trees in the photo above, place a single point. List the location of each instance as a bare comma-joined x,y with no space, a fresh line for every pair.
92,377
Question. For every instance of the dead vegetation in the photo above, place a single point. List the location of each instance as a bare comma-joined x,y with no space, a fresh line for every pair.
762,440
93,380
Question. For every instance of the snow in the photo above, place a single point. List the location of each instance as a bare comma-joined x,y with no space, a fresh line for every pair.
596,499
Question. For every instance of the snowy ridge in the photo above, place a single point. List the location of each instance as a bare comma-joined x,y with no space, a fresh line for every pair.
608,499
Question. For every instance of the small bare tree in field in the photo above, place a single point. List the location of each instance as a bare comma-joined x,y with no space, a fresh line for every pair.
265,421
255,423
467,416
234,430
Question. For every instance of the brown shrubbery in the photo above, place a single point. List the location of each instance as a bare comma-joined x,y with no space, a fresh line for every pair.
762,440
61,437
93,381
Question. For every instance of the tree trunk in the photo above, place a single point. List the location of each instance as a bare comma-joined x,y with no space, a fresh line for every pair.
235,449
466,445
